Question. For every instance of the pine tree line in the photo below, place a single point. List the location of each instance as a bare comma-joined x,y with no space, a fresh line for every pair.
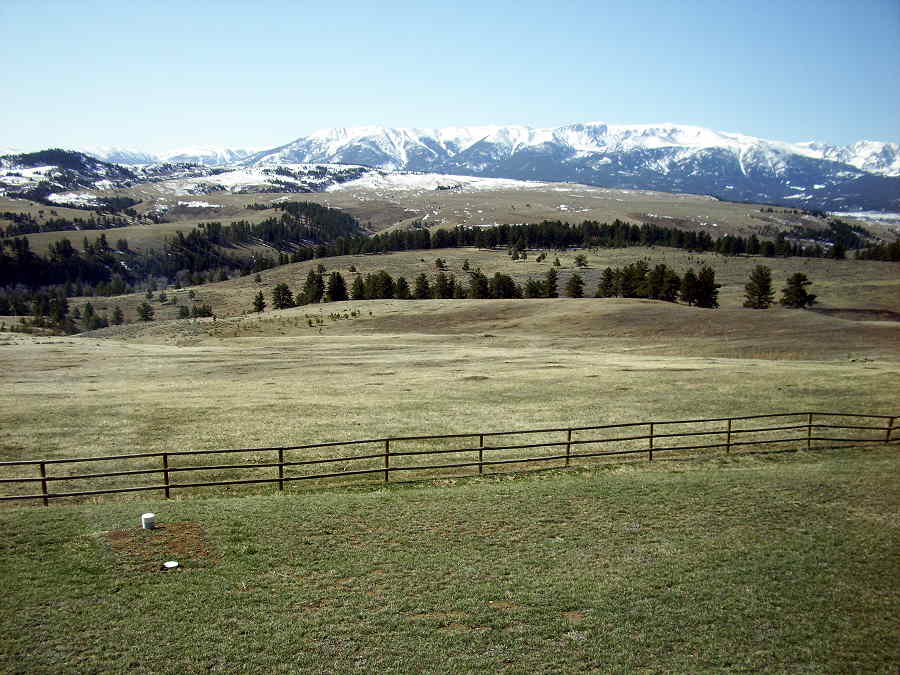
633,281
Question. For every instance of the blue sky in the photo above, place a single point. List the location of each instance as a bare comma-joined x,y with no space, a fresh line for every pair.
161,75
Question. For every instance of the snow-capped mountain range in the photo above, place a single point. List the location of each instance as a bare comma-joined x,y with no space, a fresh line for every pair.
667,157
205,155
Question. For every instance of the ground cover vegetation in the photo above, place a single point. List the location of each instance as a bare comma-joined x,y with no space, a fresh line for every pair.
769,563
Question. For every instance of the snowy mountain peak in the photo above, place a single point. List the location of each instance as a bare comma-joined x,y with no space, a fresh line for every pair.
666,157
207,155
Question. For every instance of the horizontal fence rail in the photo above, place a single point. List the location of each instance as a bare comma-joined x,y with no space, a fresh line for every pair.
386,456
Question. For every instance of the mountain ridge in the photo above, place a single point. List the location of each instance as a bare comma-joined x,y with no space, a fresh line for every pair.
663,157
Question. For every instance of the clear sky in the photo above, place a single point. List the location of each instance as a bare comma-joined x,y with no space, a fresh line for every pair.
159,75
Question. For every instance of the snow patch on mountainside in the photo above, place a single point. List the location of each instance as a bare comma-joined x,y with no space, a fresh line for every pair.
282,178
401,181
76,199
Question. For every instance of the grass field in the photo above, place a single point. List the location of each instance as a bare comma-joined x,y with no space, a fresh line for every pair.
776,563
423,368
840,284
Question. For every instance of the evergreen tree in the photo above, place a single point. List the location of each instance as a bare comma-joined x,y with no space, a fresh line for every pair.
118,318
707,288
479,286
313,289
145,311
59,307
671,286
632,281
794,295
90,320
442,288
282,297
550,281
337,288
607,286
259,303
421,288
575,286
503,286
753,245
401,289
688,290
534,288
358,288
655,281
758,291
383,286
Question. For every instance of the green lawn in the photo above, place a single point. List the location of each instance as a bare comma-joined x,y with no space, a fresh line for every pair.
767,563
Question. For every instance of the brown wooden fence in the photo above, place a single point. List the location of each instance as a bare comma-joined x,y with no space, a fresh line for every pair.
423,456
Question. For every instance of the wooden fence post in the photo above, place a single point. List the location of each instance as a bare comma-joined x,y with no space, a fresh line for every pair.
44,483
568,445
809,432
480,454
651,441
728,438
165,459
281,469
890,430
387,456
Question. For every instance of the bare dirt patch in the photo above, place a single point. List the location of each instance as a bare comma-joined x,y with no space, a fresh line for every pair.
147,550
574,617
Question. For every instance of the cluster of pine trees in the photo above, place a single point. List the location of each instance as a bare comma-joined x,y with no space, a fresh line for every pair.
591,234
884,251
759,293
634,281
301,225
637,280
50,310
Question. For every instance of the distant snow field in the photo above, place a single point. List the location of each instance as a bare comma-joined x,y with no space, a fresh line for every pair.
74,198
199,205
877,216
379,180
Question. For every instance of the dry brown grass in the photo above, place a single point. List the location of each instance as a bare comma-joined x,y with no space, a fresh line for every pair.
399,368
451,367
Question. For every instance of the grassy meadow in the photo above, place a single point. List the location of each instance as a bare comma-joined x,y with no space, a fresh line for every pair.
774,563
839,284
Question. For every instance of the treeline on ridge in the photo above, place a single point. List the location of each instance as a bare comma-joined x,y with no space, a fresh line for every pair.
834,242
636,280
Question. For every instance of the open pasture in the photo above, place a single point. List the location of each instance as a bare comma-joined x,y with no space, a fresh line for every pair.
869,286
424,368
774,563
